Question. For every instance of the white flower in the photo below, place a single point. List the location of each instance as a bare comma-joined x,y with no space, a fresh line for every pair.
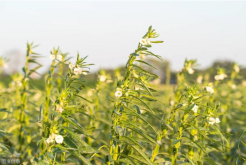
199,79
220,76
118,93
144,42
59,108
84,73
137,88
195,108
236,68
58,139
19,83
244,83
89,93
209,90
102,77
171,102
233,86
195,138
217,120
71,66
51,138
213,120
59,57
77,71
190,70
52,56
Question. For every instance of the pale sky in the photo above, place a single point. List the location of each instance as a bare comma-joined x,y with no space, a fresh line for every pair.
109,31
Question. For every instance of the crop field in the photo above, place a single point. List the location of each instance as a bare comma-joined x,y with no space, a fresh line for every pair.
125,117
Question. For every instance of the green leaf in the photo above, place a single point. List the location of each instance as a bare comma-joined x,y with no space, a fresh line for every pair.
146,63
150,109
196,143
143,119
156,41
188,159
83,98
144,158
143,134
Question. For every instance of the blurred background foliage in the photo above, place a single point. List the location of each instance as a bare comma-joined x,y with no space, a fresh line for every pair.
167,76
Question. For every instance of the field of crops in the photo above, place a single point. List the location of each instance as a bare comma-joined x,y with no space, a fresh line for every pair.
123,118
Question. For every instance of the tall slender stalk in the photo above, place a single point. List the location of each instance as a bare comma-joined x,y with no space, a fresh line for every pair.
130,95
23,118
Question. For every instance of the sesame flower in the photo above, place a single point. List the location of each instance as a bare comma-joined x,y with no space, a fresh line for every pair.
19,83
209,89
199,79
51,138
71,66
236,68
244,83
220,76
90,93
195,108
52,56
59,57
144,42
195,138
102,78
171,102
118,92
233,86
212,120
159,142
59,108
59,139
77,70
190,70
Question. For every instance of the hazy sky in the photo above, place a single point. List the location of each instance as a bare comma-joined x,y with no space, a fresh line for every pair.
109,31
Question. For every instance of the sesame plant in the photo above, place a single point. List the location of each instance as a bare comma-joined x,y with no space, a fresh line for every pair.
24,138
231,105
61,131
133,92
3,148
126,116
190,124
241,145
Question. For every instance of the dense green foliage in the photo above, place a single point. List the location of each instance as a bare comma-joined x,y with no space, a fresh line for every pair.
125,116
